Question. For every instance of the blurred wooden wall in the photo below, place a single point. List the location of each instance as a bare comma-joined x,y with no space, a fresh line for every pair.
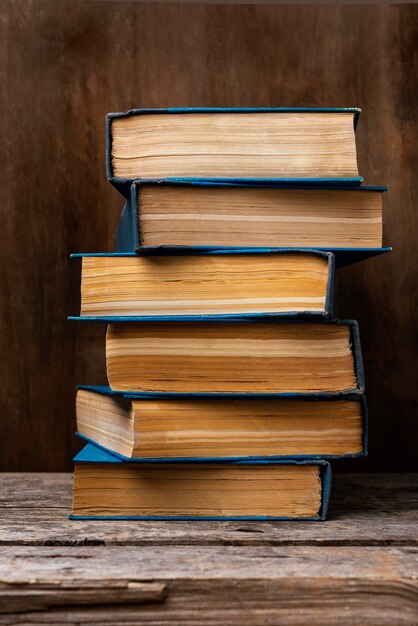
64,65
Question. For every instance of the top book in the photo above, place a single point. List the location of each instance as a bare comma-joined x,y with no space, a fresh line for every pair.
280,145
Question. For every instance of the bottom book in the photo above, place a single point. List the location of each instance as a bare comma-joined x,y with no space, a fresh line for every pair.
105,487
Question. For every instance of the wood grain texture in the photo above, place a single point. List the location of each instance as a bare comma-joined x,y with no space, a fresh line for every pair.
216,585
65,69
357,568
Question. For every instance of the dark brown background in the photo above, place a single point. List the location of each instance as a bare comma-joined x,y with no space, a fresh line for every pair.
64,65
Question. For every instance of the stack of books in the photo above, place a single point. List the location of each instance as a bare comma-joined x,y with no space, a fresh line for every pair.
231,381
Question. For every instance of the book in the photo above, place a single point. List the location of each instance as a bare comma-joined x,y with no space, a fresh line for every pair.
107,488
216,215
192,426
217,356
223,284
277,144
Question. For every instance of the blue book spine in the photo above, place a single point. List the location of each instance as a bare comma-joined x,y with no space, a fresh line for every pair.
127,234
123,184
93,454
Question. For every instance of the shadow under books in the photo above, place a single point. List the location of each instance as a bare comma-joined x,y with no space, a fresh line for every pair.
352,495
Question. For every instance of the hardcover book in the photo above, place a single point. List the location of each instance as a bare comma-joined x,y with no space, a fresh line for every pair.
207,427
277,144
216,356
105,487
226,284
222,215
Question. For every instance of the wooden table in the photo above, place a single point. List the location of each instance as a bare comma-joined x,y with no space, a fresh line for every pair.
359,568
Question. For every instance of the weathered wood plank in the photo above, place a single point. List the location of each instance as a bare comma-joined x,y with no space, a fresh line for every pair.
366,510
64,564
28,490
41,596
214,585
214,573
241,603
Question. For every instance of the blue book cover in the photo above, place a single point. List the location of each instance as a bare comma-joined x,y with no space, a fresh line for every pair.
128,237
123,184
92,454
160,397
328,311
